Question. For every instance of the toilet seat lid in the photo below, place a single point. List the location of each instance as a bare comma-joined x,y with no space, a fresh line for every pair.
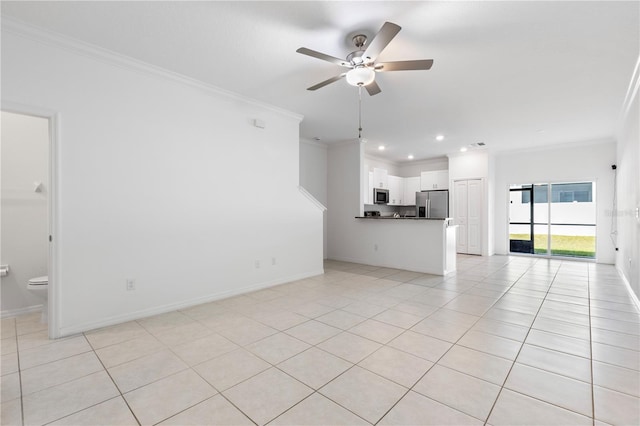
39,280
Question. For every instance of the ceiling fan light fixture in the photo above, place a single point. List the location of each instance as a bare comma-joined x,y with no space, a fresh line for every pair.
360,76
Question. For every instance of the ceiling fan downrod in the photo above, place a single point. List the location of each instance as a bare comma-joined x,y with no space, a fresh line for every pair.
360,112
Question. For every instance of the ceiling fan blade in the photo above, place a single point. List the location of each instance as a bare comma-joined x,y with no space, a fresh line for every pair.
324,57
329,81
381,40
373,88
421,64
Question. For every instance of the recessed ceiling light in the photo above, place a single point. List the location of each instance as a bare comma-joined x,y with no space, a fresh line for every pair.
440,138
463,149
410,156
381,148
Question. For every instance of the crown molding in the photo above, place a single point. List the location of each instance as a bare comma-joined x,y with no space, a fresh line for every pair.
50,38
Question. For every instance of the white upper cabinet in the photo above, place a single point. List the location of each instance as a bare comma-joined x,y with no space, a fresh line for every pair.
438,179
396,190
380,178
411,186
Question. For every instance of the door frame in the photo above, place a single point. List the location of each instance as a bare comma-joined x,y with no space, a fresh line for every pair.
53,296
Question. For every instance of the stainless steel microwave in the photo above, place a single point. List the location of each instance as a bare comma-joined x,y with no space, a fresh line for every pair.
380,196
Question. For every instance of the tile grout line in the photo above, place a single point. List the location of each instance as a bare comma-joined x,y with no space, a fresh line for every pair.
523,341
383,345
318,348
593,399
443,355
15,326
112,380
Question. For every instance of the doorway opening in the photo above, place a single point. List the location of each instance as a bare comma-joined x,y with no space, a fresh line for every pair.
29,212
553,219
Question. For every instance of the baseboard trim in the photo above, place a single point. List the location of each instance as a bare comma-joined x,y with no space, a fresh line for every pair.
68,331
22,311
634,296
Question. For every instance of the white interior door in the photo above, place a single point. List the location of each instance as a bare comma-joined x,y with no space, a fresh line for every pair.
468,215
460,209
474,218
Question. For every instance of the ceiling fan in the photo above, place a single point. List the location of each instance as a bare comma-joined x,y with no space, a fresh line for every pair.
363,62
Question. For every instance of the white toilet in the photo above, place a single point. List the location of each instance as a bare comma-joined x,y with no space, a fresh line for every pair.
40,286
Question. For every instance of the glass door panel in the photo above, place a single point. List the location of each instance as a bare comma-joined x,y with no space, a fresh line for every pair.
573,219
541,218
521,219
541,238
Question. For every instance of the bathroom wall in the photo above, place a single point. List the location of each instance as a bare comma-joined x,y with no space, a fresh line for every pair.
152,169
24,148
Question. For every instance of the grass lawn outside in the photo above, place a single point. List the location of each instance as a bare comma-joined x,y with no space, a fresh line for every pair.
562,245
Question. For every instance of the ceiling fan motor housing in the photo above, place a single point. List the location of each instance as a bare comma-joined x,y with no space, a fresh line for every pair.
356,58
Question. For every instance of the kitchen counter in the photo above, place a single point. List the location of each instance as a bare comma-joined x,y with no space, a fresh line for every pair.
411,243
401,217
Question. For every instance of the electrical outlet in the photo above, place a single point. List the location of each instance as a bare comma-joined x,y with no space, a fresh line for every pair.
131,284
257,264
273,261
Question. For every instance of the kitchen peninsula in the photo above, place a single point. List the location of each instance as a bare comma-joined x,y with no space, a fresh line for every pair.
412,243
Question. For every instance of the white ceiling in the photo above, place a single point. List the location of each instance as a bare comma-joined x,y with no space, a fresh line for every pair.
510,74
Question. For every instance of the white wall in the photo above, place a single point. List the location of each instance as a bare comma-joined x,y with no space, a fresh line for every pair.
25,248
414,168
344,200
163,180
370,163
628,162
469,165
408,168
569,163
313,177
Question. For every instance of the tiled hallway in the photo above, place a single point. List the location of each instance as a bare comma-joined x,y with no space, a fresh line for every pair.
508,340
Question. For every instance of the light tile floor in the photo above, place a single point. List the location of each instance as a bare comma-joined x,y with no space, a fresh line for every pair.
507,340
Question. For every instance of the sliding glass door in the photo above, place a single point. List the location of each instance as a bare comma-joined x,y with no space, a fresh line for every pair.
557,219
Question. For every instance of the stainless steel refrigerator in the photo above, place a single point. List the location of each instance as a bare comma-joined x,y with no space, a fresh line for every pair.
434,204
